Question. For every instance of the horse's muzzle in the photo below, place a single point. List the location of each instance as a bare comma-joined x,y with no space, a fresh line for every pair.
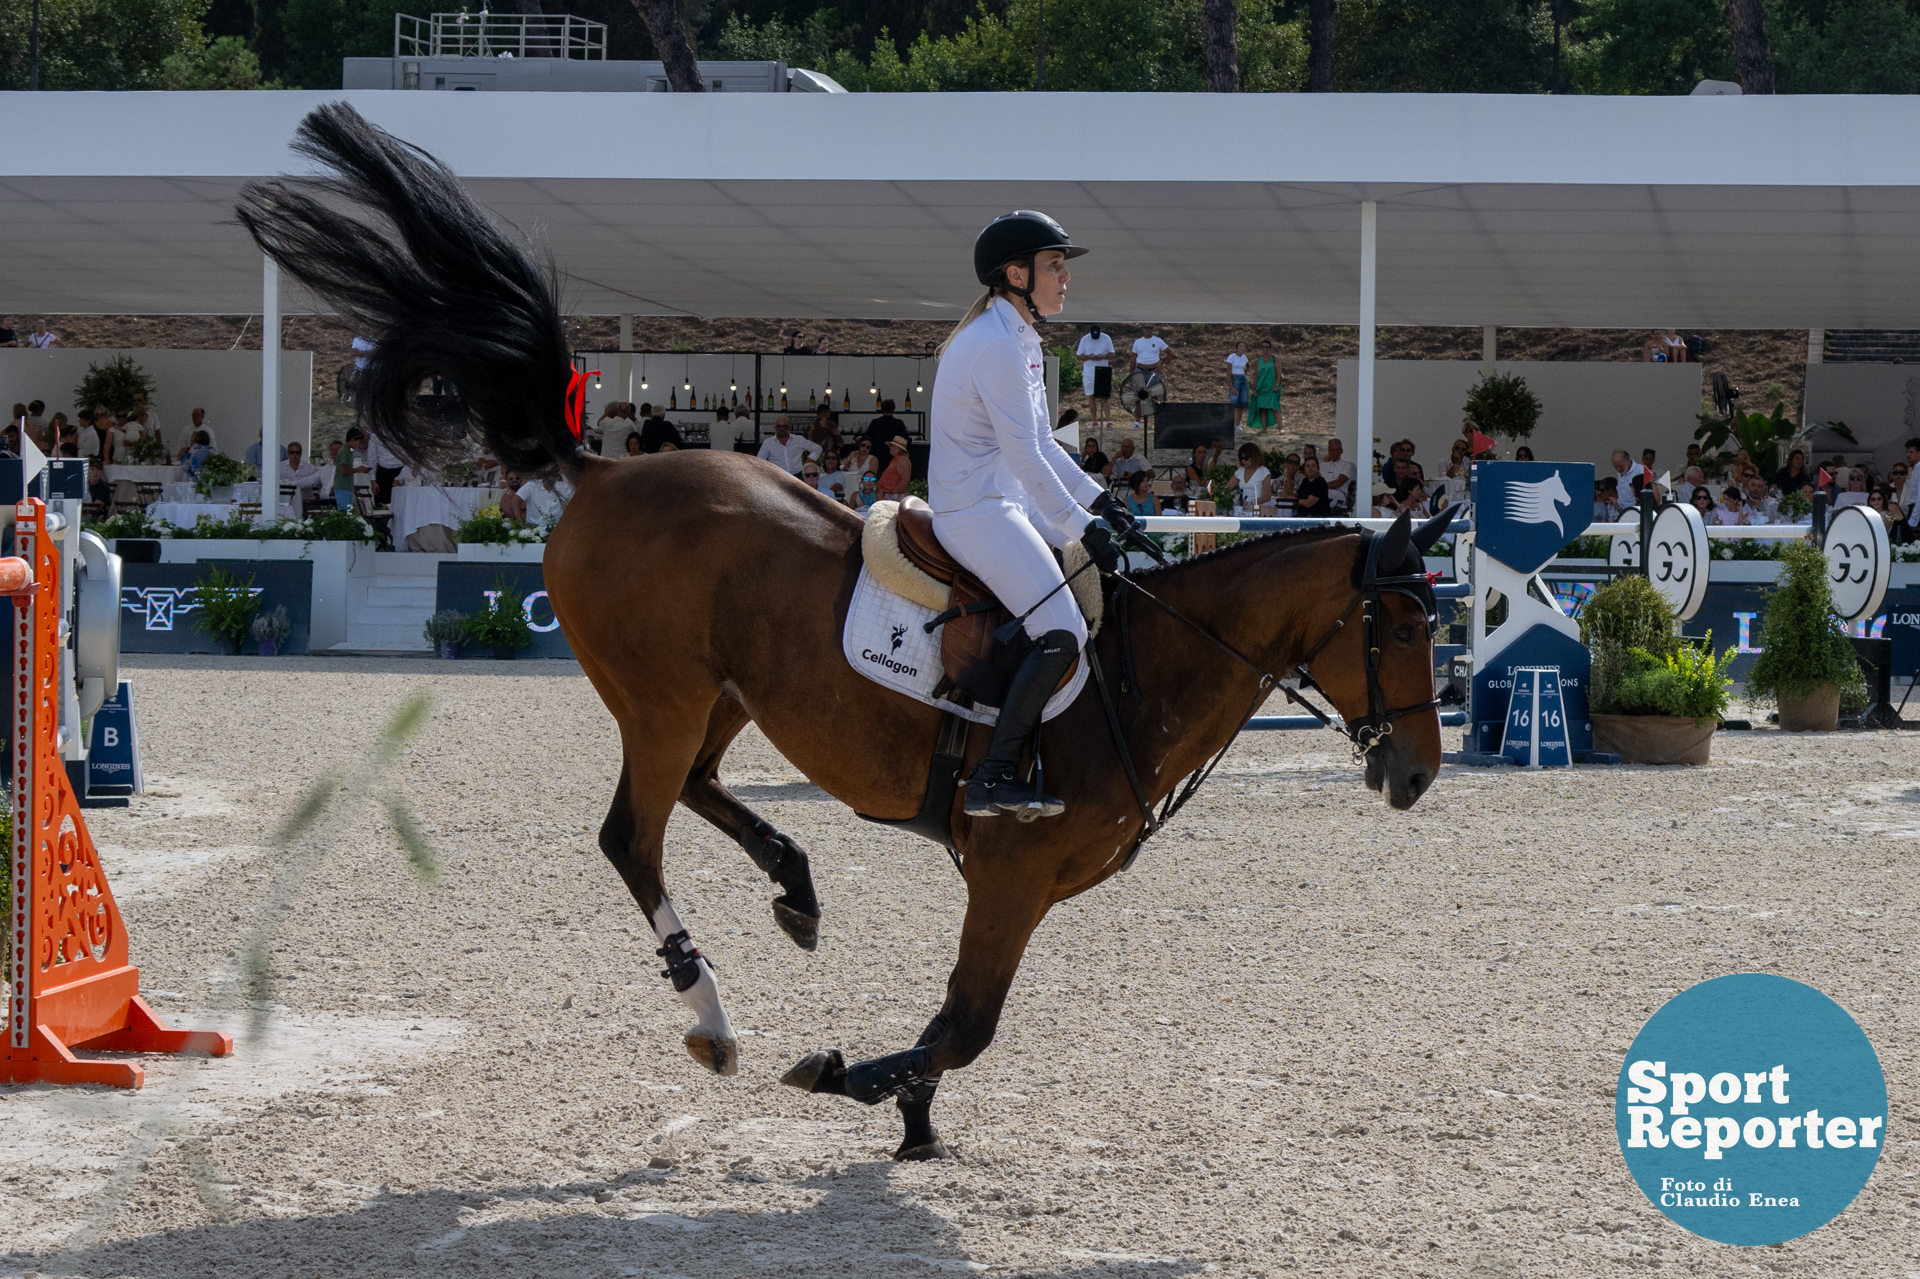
1390,770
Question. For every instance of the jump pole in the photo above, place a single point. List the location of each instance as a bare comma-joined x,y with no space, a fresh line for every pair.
69,982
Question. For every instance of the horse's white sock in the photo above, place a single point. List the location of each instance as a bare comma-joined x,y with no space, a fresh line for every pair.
704,995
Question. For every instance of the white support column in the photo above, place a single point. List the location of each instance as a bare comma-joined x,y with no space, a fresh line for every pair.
1363,397
623,374
1489,349
270,392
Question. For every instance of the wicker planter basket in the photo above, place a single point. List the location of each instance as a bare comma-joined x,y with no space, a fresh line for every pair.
1817,712
1655,739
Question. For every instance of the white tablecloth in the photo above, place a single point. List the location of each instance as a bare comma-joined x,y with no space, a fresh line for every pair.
186,514
145,474
414,506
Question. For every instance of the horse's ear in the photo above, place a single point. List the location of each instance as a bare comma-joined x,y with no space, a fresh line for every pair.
1397,541
1427,534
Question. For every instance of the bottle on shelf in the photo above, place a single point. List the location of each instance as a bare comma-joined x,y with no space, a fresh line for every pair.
846,401
736,397
673,399
783,399
909,401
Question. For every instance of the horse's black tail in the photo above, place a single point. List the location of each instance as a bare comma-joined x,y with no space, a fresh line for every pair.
394,243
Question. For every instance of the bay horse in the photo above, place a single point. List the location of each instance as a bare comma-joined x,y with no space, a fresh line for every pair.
704,591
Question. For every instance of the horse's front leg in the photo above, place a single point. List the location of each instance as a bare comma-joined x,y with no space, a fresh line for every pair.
995,936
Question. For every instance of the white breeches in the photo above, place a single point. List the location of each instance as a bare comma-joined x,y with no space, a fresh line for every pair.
997,542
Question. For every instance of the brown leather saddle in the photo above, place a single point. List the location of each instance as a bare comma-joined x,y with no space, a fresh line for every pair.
978,668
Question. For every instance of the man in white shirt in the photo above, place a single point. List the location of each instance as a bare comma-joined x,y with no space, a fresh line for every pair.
546,500
1623,476
1149,353
386,469
1683,491
725,431
1761,509
1339,475
1126,464
787,450
1237,394
41,338
297,471
1096,372
152,416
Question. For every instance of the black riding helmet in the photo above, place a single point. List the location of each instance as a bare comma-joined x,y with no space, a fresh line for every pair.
1015,237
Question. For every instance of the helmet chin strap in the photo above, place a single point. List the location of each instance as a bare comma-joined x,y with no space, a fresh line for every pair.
1026,294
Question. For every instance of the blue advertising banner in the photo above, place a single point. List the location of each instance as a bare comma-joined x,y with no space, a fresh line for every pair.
113,754
1492,690
1524,512
159,603
469,587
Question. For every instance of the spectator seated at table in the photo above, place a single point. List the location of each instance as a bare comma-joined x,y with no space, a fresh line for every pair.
545,500
1606,500
252,457
305,478
899,472
1761,508
1732,510
1702,501
10,439
1139,497
1310,494
785,449
1092,460
1856,494
810,476
851,473
1252,482
1126,464
1793,476
869,494
1385,506
139,425
1412,498
1693,479
1191,483
195,455
832,482
632,447
856,460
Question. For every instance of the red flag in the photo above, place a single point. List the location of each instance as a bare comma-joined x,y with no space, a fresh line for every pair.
1646,475
1480,443
1824,479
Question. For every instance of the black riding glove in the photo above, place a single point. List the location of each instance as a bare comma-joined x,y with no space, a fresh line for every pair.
1114,513
1098,540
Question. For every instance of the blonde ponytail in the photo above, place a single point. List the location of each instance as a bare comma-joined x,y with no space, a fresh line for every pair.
975,312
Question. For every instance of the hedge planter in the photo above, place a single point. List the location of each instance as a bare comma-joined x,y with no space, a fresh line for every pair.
450,649
505,652
1817,712
1655,739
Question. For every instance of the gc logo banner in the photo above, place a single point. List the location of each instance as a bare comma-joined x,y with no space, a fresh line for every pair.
1859,562
1677,557
157,606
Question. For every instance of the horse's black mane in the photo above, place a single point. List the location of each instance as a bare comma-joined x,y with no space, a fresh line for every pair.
1258,539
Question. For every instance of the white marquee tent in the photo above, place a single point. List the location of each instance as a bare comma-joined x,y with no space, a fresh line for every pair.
1402,209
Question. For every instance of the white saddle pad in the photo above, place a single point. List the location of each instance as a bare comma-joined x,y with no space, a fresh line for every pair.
886,640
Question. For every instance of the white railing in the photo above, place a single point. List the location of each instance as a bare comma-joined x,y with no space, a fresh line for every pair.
490,35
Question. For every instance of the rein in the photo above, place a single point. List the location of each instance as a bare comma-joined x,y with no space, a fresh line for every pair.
1365,734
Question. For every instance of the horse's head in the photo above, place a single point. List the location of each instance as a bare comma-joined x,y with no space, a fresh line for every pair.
1377,665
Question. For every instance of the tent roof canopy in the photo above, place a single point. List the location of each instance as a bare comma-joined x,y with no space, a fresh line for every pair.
1724,212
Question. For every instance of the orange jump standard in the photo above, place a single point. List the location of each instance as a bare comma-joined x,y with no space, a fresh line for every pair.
69,984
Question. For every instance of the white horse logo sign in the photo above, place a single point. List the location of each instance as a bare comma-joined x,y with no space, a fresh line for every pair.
1526,511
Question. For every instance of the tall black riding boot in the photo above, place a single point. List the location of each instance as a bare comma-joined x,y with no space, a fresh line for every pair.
995,787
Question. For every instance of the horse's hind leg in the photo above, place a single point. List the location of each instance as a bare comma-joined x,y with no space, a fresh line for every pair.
632,838
796,910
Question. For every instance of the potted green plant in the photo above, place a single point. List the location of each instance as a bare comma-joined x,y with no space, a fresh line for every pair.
147,451
218,474
1502,404
270,630
445,629
1806,661
1654,699
224,607
113,384
502,625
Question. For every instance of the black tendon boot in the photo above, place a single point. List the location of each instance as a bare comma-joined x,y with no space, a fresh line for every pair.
995,786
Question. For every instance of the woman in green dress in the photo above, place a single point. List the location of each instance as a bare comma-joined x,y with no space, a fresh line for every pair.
1265,409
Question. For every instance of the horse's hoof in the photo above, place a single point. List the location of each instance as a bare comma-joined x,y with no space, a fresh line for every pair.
824,1070
802,927
721,1056
935,1149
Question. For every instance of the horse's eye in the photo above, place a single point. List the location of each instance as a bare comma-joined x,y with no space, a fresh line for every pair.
1404,634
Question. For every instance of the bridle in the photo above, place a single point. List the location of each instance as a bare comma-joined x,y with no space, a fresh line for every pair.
1365,734
1376,725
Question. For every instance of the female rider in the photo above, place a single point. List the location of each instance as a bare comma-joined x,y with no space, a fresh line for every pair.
1002,489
